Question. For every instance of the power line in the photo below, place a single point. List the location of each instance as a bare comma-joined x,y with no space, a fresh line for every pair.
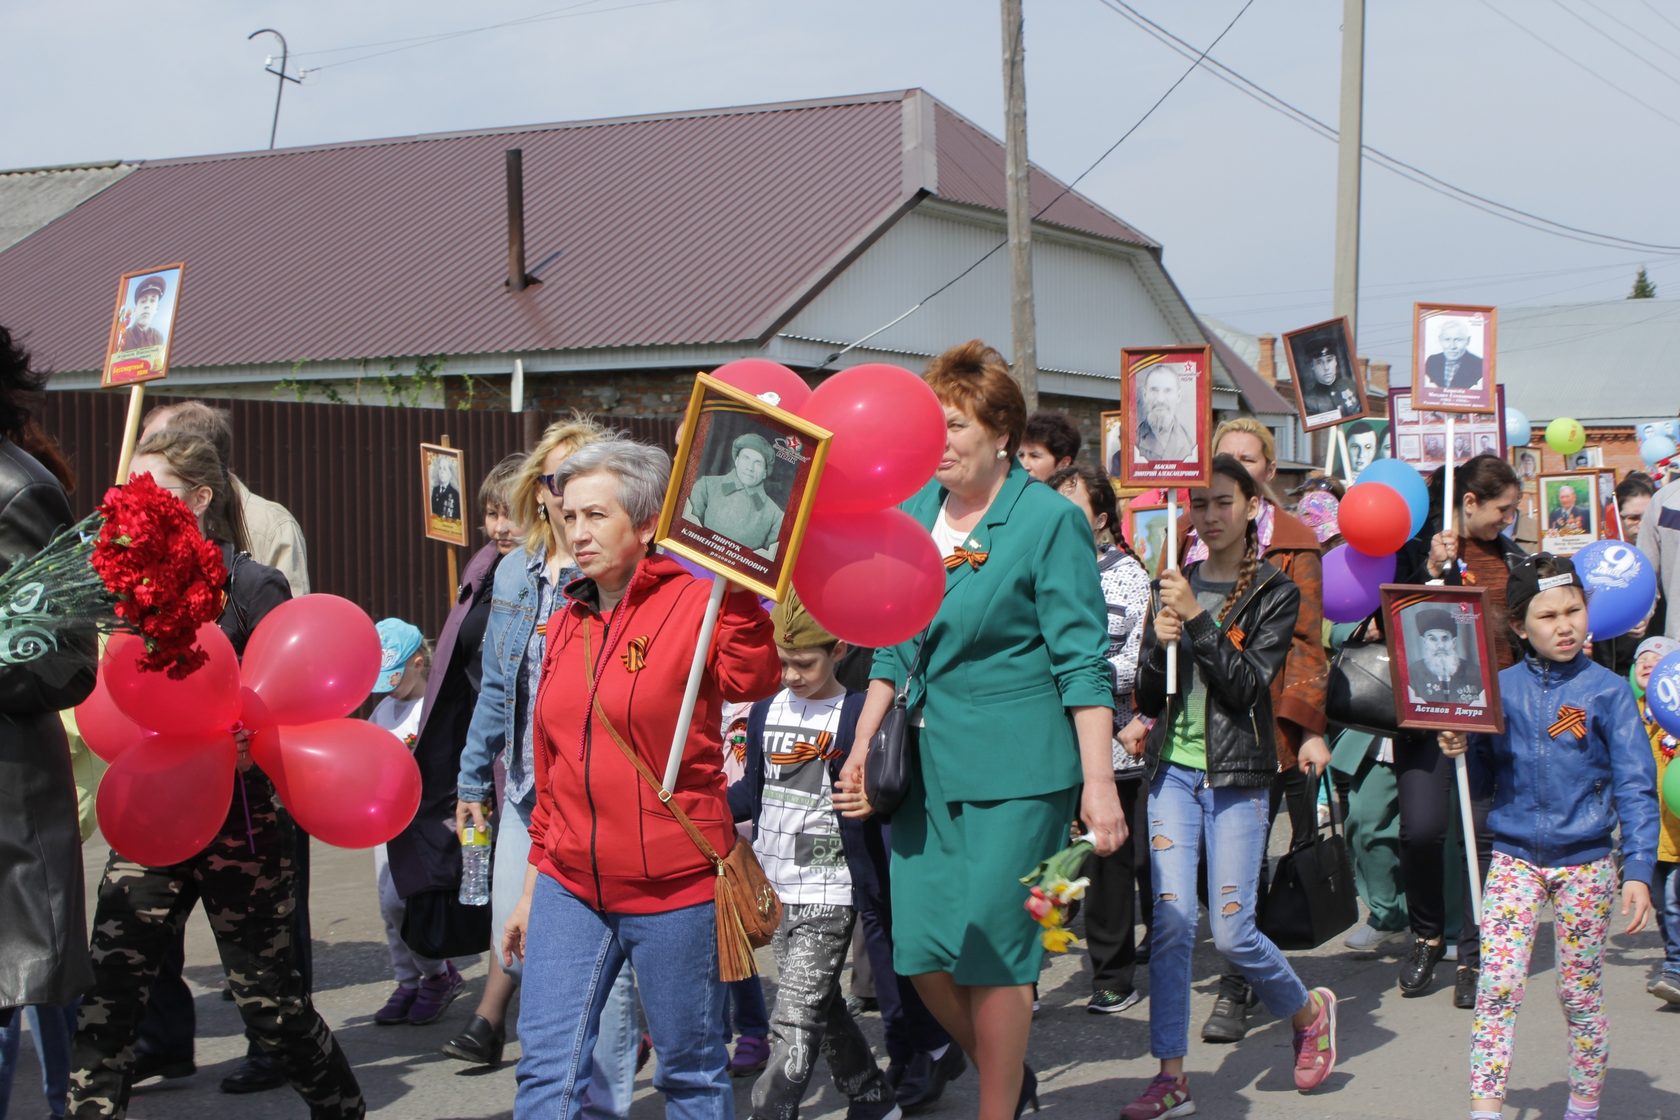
1428,280
1392,164
1612,40
1058,197
1567,57
1643,35
1658,13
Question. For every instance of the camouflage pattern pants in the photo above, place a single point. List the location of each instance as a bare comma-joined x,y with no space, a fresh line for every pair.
248,882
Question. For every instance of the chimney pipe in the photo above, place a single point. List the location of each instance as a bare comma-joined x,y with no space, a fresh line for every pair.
517,278
1268,359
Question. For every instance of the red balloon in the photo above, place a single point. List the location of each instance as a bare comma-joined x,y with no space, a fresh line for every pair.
165,801
348,782
873,578
204,701
312,659
1374,518
760,375
889,432
103,726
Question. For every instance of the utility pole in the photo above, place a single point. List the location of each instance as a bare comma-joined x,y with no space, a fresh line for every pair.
1349,153
1017,180
280,74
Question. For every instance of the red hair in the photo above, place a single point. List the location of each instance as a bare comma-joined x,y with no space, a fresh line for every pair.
973,378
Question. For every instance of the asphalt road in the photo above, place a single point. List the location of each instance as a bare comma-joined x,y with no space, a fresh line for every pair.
1400,1058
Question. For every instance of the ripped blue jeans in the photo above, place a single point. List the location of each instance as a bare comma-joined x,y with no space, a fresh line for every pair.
1183,812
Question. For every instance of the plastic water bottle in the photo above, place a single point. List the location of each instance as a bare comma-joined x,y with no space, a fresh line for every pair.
475,866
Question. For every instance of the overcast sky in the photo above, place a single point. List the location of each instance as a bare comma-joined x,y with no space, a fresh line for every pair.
1242,198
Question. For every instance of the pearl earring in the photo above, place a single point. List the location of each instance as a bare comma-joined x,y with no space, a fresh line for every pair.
1002,454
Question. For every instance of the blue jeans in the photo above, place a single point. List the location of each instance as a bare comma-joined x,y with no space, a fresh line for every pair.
1183,812
1666,901
573,955
52,1028
748,1013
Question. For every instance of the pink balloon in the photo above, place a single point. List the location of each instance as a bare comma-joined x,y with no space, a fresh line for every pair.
873,578
1353,582
165,801
889,432
312,659
206,700
760,375
348,782
104,727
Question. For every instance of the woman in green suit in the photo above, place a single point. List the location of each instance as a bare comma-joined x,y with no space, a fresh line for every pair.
1011,697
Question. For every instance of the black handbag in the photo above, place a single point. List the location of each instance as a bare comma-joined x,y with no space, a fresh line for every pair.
1312,896
436,925
1360,691
887,766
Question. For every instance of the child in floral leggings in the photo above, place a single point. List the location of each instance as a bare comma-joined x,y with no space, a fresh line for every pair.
1572,761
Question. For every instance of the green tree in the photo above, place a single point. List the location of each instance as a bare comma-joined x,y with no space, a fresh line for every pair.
1642,286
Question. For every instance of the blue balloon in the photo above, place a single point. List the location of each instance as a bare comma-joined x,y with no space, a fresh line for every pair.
1621,587
1662,694
1518,431
1405,479
1656,449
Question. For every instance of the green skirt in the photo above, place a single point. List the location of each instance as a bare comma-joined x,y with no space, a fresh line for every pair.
958,905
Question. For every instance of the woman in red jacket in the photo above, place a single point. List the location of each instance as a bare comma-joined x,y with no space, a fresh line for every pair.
613,877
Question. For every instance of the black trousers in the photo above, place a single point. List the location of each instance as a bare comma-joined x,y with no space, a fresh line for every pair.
1428,810
1120,887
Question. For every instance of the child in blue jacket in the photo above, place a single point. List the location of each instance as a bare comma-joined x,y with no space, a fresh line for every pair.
1572,761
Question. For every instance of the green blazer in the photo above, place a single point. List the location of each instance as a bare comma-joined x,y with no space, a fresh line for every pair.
1016,643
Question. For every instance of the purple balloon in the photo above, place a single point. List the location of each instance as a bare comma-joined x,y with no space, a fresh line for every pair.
1353,583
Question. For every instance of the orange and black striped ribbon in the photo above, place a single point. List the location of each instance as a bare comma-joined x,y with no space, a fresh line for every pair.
960,556
1572,719
635,656
823,749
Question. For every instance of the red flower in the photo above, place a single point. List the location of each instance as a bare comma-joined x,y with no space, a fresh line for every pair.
167,578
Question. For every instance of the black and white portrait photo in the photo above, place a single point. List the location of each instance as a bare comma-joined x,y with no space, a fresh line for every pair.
1453,358
1328,389
440,474
1167,415
1442,664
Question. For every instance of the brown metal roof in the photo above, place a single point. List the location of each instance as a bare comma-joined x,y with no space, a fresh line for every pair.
702,227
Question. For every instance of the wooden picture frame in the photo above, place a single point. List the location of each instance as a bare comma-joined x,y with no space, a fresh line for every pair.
1146,525
1526,461
1454,352
1441,657
1112,442
1568,527
741,520
1182,377
443,496
142,326
1313,351
1610,529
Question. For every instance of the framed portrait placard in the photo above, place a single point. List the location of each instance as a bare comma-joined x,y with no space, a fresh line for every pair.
1111,444
1571,515
443,510
143,326
1419,436
742,484
1166,406
1146,525
1610,528
1453,357
1440,657
1526,462
1328,387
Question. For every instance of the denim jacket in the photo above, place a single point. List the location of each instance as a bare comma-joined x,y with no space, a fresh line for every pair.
1560,787
495,719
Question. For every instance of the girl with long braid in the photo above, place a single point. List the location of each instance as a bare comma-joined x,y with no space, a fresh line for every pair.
1210,760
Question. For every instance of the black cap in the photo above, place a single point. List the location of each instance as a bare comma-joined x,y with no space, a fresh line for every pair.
1526,581
1434,618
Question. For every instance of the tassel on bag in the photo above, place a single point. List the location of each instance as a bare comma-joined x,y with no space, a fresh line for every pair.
735,951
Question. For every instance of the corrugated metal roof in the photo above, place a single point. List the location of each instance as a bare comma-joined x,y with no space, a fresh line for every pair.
1598,362
33,196
710,226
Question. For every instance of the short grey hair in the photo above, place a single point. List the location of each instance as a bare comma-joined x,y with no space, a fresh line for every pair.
642,474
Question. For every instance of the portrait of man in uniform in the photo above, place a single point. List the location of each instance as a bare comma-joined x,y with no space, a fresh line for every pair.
142,326
1441,673
1328,388
138,333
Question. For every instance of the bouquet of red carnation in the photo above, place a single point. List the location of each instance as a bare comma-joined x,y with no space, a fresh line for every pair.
137,564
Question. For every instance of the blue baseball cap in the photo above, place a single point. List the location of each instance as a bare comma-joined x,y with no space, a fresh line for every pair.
398,641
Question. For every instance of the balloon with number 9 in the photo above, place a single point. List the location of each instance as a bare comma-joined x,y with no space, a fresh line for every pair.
1662,697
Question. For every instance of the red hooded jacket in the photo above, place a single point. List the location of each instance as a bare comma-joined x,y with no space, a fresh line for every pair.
598,827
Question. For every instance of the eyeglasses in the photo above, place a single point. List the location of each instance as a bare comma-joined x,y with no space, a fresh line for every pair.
552,482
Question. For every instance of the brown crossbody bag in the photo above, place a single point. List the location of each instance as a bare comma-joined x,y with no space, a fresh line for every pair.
748,910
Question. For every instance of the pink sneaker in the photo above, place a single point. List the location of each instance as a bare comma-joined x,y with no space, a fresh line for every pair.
752,1054
1315,1047
1166,1096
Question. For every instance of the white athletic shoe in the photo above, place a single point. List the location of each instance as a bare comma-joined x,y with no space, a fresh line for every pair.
1368,939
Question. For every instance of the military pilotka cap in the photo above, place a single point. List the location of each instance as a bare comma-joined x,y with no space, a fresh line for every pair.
1526,581
794,626
1435,619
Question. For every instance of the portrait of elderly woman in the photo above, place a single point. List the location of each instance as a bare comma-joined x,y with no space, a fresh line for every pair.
735,503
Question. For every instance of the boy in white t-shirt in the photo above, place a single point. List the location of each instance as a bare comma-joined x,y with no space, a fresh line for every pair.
424,987
794,752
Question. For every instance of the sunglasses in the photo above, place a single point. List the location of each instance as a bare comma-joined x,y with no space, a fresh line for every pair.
552,482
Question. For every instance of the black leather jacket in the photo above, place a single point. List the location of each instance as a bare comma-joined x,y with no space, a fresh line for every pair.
1237,663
